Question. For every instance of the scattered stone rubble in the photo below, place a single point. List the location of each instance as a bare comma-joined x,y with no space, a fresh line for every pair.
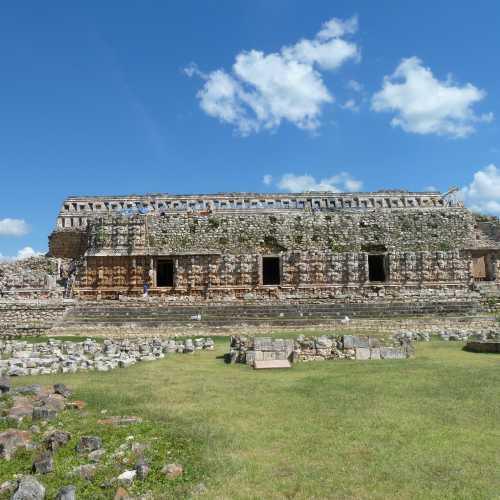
23,358
447,335
45,449
249,350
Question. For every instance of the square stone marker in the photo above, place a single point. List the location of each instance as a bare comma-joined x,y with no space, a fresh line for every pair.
274,363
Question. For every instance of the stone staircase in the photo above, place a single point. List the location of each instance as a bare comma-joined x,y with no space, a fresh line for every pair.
118,315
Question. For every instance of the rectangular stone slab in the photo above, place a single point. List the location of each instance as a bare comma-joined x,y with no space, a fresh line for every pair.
274,363
362,353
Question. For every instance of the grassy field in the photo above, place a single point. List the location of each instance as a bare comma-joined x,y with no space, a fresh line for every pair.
415,429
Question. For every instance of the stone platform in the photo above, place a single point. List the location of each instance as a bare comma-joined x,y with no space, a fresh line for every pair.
158,315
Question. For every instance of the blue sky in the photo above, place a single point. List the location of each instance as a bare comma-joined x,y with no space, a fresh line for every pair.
184,97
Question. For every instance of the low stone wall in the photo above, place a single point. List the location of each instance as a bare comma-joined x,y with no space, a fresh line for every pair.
29,317
23,358
455,335
427,325
248,350
31,312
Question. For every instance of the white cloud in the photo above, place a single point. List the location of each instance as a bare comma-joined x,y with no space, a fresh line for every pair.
483,193
267,179
351,105
425,105
13,227
24,253
354,85
431,188
337,27
263,90
342,182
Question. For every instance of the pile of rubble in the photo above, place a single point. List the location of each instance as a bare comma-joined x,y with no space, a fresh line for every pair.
31,273
23,358
45,439
251,349
454,335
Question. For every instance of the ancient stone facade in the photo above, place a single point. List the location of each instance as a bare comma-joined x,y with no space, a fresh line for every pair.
245,246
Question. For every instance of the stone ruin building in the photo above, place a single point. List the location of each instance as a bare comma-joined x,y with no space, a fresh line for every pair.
317,246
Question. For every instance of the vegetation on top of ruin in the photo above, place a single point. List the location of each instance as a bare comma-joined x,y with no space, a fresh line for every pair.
486,218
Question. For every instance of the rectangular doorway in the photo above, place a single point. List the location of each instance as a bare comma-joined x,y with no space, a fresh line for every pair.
483,268
165,273
271,271
376,267
479,268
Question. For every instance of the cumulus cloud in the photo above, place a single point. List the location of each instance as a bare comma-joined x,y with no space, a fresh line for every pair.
13,227
342,182
263,90
425,105
24,253
483,193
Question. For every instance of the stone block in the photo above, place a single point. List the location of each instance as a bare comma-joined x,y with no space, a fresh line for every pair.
348,341
270,364
362,353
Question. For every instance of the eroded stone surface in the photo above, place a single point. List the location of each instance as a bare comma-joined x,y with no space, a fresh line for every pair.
44,463
87,444
66,493
29,489
85,471
13,440
56,440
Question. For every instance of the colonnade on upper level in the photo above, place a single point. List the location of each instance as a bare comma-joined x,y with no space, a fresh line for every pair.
76,210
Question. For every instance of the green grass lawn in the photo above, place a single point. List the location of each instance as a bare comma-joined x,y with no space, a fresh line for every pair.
423,428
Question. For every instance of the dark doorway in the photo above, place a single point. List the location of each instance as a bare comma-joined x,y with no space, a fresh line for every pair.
271,271
165,273
376,267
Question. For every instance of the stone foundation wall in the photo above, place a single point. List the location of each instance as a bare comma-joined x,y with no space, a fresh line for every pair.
346,347
433,325
25,317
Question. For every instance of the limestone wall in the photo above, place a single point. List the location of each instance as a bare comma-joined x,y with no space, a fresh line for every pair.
29,317
443,229
321,253
314,274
